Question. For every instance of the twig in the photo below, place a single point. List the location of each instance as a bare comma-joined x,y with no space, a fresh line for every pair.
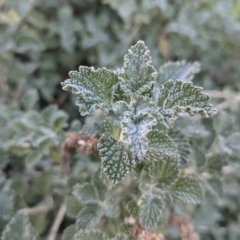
57,222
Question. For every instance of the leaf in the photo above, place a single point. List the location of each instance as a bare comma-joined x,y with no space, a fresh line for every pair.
86,193
92,87
69,233
233,141
89,216
215,163
186,189
223,123
30,99
110,208
73,206
90,235
215,186
112,129
19,228
179,70
117,161
120,236
177,97
135,129
137,75
165,171
133,209
182,144
200,158
151,207
160,147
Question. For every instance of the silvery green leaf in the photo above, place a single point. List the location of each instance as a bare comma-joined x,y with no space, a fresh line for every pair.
116,115
110,208
133,209
151,209
215,163
200,158
119,95
186,189
182,144
177,97
215,186
112,129
101,188
92,87
69,233
89,216
90,235
179,70
73,206
161,147
86,193
117,161
223,123
135,129
164,171
19,228
137,75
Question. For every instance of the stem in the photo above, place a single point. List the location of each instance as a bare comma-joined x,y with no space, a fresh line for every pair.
57,222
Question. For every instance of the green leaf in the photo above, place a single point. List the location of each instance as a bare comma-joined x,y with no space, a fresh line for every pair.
179,70
177,97
110,208
73,206
86,193
89,216
135,129
30,99
150,211
200,158
233,141
223,123
113,130
19,228
92,87
160,147
215,163
215,186
137,75
165,171
133,209
186,189
120,236
69,233
182,144
117,161
90,235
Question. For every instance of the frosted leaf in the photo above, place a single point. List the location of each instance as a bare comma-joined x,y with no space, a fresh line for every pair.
92,87
119,95
116,115
182,144
90,235
137,75
186,189
160,147
177,70
110,208
135,129
112,129
86,193
215,186
165,171
19,228
150,211
177,97
117,161
89,216
215,163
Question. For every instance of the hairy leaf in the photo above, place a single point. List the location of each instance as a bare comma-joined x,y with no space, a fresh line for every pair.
135,129
164,171
89,216
69,233
90,235
116,115
200,158
117,161
110,208
215,186
177,97
133,209
137,75
112,129
215,163
182,144
160,147
86,193
73,206
151,208
186,189
92,87
19,228
177,71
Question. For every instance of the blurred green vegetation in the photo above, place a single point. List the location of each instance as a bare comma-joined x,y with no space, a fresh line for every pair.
40,41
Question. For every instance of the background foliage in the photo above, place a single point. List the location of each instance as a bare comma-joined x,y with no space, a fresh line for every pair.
41,41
